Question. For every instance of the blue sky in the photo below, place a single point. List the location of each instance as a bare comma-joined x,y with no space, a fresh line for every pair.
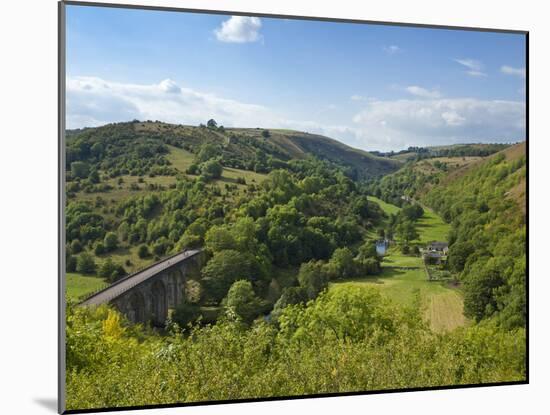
370,86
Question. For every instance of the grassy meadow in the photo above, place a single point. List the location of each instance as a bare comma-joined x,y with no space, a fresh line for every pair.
79,284
403,278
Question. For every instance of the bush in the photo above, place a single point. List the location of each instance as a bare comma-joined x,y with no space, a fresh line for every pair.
110,241
110,270
85,264
313,278
242,302
76,246
225,268
211,169
70,266
143,251
99,249
186,314
342,264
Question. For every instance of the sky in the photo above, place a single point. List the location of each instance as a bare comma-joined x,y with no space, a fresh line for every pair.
374,87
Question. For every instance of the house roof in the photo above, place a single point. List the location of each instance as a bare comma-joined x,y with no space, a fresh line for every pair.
438,245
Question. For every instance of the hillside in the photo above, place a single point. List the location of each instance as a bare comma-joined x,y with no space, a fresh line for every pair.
444,151
484,201
252,149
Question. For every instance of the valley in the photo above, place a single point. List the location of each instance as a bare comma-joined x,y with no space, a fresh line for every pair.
288,226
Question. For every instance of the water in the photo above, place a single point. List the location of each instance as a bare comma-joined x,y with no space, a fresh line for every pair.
381,247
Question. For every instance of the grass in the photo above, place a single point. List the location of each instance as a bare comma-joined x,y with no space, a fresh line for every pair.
388,208
78,285
181,159
432,228
403,277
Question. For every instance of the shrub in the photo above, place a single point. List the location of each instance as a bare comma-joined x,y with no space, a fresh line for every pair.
85,264
110,241
242,302
185,314
143,251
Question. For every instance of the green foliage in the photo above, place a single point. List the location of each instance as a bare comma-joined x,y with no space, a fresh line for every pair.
313,278
241,302
488,238
85,263
110,241
143,251
80,169
186,314
211,169
110,270
406,231
337,343
342,264
226,267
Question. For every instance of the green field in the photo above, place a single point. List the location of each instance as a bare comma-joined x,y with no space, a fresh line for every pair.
403,278
78,284
432,228
386,207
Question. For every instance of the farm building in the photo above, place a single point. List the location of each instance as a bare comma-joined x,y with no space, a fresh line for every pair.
436,246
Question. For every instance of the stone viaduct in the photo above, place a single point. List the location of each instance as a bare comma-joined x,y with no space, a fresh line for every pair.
146,295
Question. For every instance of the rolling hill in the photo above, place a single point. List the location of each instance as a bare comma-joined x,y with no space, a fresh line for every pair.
241,148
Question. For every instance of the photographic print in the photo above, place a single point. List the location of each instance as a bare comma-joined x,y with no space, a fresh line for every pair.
261,207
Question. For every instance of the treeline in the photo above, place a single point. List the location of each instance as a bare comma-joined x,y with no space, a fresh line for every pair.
460,150
488,238
348,339
405,184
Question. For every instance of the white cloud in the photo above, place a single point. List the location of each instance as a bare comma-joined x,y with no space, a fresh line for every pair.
381,125
401,123
94,101
358,98
239,29
508,70
422,92
170,86
392,49
475,68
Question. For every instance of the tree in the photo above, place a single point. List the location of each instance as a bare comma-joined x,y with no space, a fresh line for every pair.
99,249
143,251
313,277
242,301
76,246
71,263
211,123
368,250
407,231
342,264
289,296
227,266
80,169
360,206
458,255
110,241
219,238
85,263
369,266
110,270
265,134
185,314
207,152
211,169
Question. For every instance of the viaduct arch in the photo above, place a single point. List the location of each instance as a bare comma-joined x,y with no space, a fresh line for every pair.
147,295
